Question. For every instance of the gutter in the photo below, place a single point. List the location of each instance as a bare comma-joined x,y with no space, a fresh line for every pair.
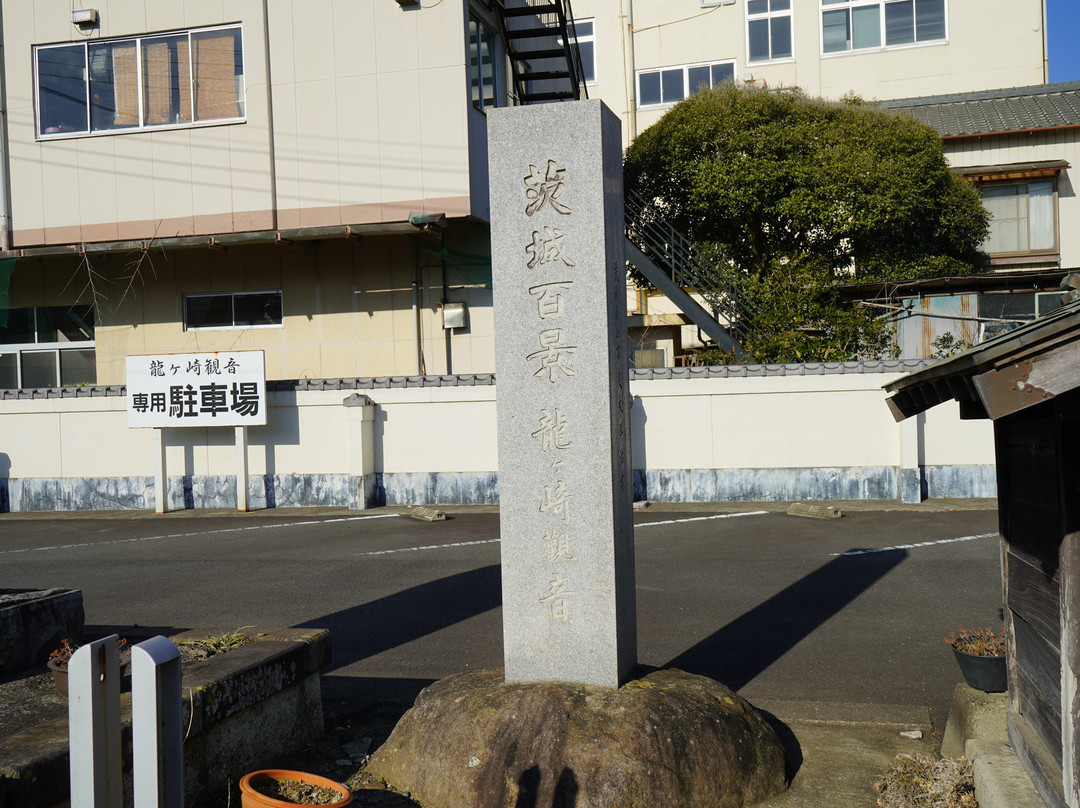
220,240
1031,130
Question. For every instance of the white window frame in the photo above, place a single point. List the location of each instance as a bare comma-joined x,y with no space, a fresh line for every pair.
20,349
770,15
578,39
849,5
498,66
1035,253
686,79
142,127
232,296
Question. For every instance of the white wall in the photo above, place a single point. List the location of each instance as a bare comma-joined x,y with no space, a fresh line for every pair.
771,437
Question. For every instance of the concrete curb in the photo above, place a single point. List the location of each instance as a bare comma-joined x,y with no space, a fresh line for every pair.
1000,780
977,730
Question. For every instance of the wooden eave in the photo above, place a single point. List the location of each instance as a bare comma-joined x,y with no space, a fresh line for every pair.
1012,171
1016,370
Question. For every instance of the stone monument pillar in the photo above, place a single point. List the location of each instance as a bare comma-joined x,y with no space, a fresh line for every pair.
556,728
562,376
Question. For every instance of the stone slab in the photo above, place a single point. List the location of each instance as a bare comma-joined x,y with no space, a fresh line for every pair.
565,482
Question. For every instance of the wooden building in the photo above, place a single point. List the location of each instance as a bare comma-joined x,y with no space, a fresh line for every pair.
1028,382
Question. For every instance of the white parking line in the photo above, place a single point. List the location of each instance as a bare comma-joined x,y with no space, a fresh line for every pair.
912,546
495,541
701,518
430,547
196,533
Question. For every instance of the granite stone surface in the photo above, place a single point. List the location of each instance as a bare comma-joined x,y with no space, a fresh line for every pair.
563,405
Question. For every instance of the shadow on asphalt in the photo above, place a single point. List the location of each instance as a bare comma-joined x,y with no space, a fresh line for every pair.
363,631
748,645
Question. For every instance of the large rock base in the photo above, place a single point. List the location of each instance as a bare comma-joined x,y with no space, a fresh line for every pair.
666,738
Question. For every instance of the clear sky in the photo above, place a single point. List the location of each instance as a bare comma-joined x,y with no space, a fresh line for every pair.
1063,29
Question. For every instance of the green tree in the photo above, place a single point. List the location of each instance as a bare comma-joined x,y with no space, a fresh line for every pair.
833,191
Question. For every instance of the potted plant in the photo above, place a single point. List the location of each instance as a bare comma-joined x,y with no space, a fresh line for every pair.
59,659
276,788
980,653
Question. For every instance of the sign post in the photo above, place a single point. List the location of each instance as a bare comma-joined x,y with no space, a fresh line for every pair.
203,390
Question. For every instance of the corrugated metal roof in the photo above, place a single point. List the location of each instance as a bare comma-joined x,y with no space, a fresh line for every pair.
953,378
1019,109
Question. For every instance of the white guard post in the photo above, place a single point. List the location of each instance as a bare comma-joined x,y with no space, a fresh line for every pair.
94,725
160,480
241,469
157,728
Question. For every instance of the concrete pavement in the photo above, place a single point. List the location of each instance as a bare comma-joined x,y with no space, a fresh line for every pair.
834,626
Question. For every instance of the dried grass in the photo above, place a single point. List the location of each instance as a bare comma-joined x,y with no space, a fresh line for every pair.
921,781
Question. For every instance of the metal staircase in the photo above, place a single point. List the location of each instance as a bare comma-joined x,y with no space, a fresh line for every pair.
541,46
668,260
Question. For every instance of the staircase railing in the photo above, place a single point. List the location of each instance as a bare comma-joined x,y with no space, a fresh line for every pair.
674,253
541,45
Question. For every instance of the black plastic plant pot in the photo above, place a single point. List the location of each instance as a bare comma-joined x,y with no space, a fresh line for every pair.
986,673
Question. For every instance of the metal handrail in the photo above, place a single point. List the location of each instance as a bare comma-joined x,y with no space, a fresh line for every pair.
675,254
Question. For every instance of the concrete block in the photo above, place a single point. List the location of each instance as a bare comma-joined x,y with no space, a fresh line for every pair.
974,715
32,623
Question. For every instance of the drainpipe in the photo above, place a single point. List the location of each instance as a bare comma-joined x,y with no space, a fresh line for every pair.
417,309
447,335
1046,46
631,76
270,120
5,172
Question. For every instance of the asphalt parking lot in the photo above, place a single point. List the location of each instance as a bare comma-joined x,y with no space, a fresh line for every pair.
775,606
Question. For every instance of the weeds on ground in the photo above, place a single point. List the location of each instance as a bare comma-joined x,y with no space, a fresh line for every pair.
921,781
210,645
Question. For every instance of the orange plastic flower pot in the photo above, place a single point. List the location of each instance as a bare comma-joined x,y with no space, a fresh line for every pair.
250,798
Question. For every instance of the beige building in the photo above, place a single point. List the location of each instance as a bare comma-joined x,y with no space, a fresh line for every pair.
1020,147
303,178
649,54
309,178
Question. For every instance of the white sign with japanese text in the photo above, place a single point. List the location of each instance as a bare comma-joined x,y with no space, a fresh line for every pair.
200,389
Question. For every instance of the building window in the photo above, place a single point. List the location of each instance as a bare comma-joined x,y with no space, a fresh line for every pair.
585,39
1002,312
233,310
671,84
485,73
848,25
47,347
768,30
1024,219
185,78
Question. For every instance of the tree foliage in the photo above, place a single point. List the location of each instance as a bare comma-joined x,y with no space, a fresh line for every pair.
766,175
812,192
802,317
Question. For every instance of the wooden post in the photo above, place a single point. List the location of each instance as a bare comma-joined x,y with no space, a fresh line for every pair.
1069,435
157,729
241,469
94,725
161,481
